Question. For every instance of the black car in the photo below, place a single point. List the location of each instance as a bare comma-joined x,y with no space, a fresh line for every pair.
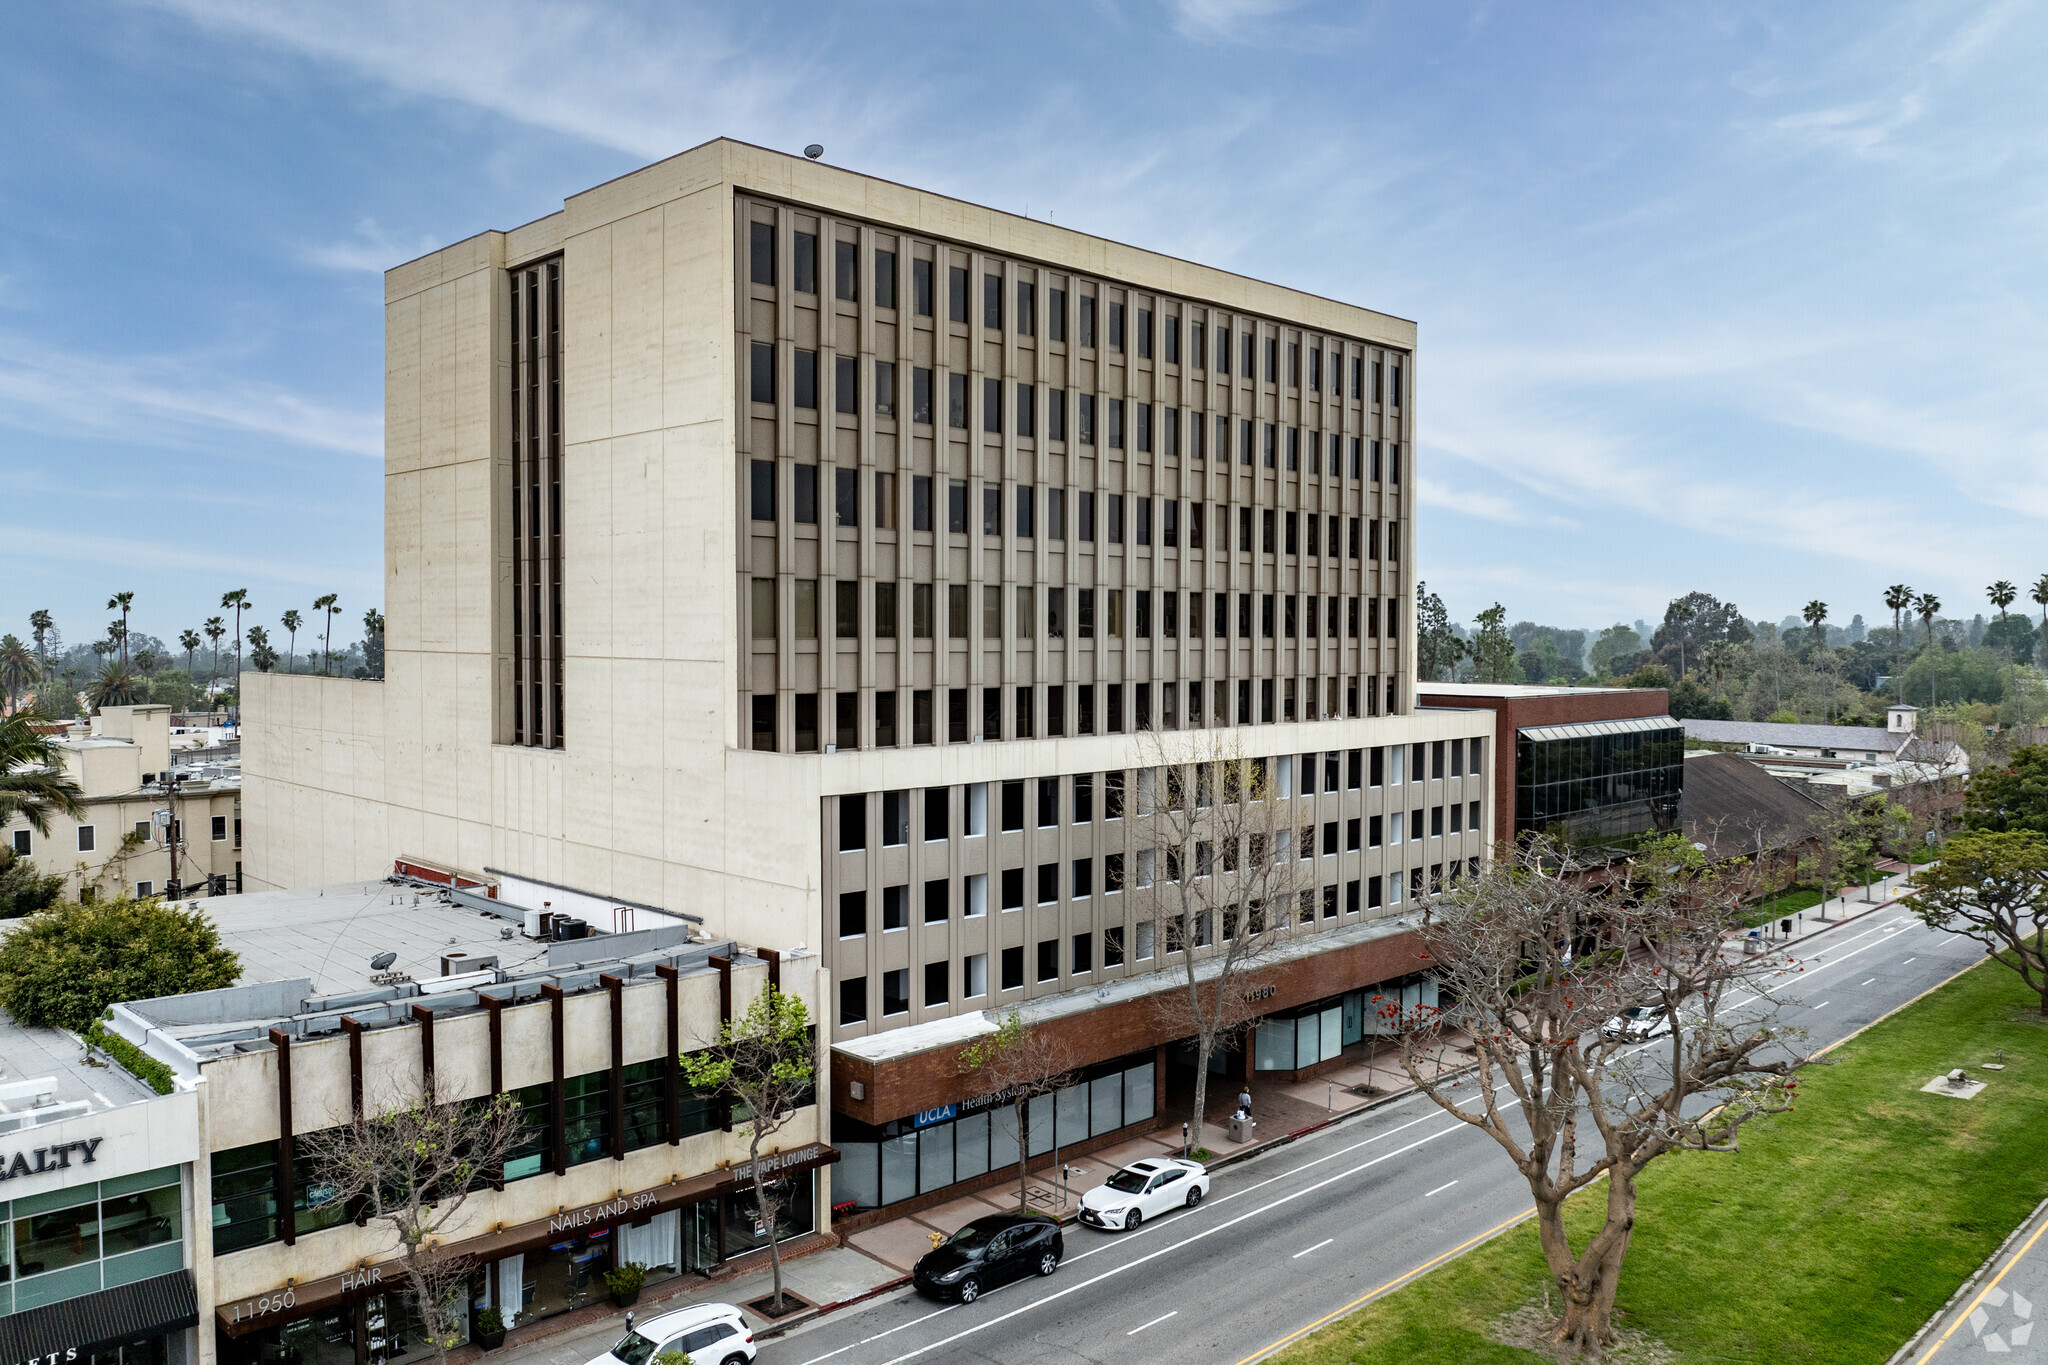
988,1252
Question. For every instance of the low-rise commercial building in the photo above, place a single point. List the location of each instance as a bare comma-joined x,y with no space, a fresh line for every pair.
618,1161
156,822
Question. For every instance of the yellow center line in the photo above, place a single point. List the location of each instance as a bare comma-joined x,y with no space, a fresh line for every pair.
1964,1316
1394,1283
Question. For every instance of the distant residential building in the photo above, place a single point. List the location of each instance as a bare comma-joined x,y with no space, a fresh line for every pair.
121,844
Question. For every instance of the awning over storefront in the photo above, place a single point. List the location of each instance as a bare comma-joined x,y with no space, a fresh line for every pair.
290,1301
101,1320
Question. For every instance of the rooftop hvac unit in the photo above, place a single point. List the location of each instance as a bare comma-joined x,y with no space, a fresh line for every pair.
455,964
567,927
538,923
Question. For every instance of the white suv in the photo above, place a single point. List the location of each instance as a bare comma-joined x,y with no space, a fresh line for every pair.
709,1333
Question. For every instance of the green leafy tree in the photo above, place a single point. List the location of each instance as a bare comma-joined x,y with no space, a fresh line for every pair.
2012,635
33,782
1690,701
1992,886
766,1062
1691,623
1493,653
1437,646
23,890
64,967
2013,798
1617,646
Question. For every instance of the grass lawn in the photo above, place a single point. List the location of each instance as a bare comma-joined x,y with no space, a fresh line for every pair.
1836,1231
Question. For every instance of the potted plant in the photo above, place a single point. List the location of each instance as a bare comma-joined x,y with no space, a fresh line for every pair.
624,1283
490,1329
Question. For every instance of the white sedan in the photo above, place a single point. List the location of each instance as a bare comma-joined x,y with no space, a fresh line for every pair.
1144,1189
1637,1024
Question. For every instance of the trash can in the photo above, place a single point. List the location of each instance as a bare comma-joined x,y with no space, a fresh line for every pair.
1241,1129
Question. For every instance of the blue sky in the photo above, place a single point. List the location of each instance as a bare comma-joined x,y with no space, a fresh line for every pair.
1745,298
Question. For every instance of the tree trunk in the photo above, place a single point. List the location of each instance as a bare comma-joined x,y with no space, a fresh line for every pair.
767,1217
1023,1157
1203,1046
1589,1282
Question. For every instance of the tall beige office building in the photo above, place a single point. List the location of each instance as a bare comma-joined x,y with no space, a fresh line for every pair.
806,552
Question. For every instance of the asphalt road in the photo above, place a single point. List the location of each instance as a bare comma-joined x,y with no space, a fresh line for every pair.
1306,1230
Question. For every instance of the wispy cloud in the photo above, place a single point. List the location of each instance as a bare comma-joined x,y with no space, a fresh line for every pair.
1863,129
68,546
160,400
370,248
1223,20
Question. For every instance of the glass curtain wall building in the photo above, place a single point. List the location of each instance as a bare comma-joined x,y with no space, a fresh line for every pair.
1599,782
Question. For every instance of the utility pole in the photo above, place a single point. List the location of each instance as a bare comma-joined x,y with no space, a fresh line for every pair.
168,782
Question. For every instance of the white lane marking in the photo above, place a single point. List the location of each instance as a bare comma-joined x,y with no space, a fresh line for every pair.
1317,1247
1441,1188
1154,1323
879,1335
1910,959
1866,983
1821,1006
1208,1232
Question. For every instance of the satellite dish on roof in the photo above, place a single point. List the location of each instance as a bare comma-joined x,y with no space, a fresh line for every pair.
815,150
382,961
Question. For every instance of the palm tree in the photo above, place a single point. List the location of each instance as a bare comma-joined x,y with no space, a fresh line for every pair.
41,623
328,604
32,778
1816,614
1683,611
189,639
1927,605
2040,594
291,621
19,669
115,686
214,628
1899,598
2002,595
260,652
239,600
120,602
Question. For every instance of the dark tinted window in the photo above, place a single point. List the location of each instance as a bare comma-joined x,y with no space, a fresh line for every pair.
763,252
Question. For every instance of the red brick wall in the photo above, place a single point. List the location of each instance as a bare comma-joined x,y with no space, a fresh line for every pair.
1515,713
908,1085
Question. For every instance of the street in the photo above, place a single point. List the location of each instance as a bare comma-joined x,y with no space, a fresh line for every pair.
1301,1233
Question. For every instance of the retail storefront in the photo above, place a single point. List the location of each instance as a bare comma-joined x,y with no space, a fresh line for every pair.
141,1322
529,1271
928,1152
1301,1038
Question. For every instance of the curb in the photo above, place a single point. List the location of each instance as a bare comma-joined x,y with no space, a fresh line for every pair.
781,1326
1912,1345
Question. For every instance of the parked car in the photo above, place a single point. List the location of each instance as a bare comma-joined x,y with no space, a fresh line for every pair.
988,1252
1637,1024
1144,1189
709,1333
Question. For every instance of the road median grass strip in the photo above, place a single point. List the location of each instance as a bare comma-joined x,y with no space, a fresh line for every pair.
1831,1237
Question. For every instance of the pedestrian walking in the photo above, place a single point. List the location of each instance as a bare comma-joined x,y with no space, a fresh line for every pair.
1244,1102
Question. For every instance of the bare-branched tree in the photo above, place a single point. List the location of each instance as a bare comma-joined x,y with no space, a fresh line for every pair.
1557,978
1219,869
1017,1062
765,1061
410,1169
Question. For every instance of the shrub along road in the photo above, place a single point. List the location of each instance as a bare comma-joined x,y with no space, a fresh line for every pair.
1288,1239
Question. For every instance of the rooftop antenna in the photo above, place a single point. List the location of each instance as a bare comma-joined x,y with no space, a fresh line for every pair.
382,961
815,150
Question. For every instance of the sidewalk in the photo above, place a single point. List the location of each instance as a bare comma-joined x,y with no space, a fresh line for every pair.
1371,1075
1852,903
1997,1310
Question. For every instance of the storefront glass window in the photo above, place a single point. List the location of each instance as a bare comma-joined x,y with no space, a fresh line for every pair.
1332,1033
1073,1114
935,1157
568,1273
1354,1017
1273,1045
899,1168
1307,1041
52,1245
1002,1137
744,1230
1138,1093
1105,1103
970,1156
